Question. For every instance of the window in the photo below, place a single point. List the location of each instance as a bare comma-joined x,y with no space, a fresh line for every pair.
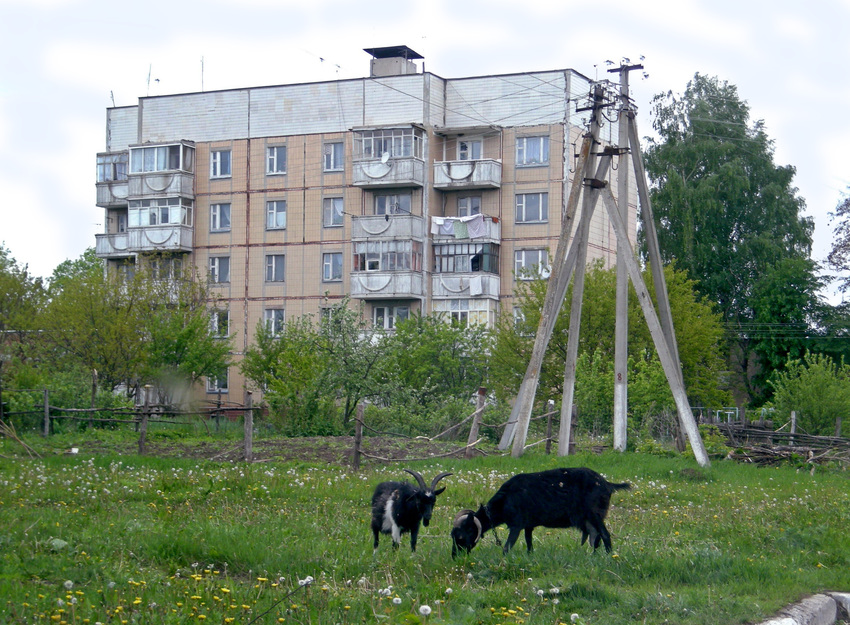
394,142
532,151
276,159
393,204
531,264
217,383
219,269
165,268
162,158
275,214
273,318
388,256
332,267
122,222
220,164
468,149
468,206
160,211
219,217
275,264
386,317
465,311
220,323
466,257
112,167
532,208
332,211
334,156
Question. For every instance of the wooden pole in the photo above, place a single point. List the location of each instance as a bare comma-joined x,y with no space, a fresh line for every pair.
550,409
46,413
580,244
143,431
358,436
517,427
668,362
476,421
793,427
249,427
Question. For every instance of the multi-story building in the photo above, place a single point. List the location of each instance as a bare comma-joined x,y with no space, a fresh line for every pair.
404,190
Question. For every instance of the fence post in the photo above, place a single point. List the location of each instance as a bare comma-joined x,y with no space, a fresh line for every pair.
249,427
218,412
358,435
793,427
551,408
571,448
144,427
837,427
476,421
46,432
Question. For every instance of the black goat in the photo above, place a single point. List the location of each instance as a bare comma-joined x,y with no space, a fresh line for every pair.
398,507
555,498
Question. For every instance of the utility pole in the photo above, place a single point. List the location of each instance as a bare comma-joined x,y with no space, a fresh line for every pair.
516,429
621,327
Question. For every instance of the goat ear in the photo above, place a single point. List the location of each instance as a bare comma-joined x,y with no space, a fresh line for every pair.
439,490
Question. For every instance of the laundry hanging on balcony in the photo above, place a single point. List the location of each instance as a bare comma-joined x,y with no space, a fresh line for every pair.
471,227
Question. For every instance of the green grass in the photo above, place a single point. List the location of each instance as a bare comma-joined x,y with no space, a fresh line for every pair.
127,539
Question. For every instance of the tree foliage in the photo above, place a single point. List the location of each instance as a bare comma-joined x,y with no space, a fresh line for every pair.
732,220
698,330
839,256
817,388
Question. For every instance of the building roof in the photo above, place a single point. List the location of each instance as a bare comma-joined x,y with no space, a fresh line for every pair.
390,52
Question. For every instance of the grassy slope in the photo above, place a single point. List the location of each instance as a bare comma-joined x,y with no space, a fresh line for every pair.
152,540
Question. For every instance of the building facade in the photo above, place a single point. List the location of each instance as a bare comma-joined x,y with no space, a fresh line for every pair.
405,191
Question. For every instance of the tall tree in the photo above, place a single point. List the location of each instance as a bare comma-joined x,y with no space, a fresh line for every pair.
839,256
729,216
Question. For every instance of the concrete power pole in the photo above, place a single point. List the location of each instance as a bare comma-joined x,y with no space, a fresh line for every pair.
621,328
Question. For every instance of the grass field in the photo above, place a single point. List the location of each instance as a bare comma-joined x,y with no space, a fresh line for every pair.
129,539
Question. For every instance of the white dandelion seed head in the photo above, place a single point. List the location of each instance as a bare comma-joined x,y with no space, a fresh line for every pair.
397,600
554,591
68,584
574,617
424,610
540,593
448,591
556,601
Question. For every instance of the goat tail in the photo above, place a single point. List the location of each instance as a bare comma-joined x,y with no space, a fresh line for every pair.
619,486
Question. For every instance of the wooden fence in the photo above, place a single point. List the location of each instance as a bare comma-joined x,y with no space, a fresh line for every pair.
473,438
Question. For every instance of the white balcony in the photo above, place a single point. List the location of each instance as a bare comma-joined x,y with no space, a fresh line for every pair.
112,194
485,173
465,285
162,183
172,238
387,284
394,172
387,227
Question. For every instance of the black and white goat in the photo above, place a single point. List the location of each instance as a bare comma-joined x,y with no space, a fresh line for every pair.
399,507
556,498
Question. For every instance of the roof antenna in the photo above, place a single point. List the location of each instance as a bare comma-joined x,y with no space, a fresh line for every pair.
112,97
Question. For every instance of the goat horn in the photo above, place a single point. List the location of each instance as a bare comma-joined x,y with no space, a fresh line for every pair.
419,478
478,525
438,478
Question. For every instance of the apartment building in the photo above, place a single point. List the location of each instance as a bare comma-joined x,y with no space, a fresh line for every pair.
403,190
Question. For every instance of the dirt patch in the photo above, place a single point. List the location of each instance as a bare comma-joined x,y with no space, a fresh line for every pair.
336,450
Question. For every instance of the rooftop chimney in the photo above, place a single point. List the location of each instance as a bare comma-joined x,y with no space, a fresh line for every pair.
392,61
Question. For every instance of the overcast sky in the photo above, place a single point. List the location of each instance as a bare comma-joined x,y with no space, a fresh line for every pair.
63,62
